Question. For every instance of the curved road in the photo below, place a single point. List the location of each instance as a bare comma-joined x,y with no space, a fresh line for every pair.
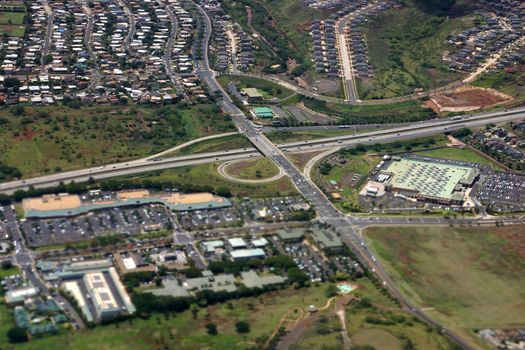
222,171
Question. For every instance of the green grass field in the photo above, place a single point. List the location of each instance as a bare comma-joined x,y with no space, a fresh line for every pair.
9,272
268,88
511,84
207,175
261,168
469,278
292,17
292,136
361,164
47,139
11,23
405,49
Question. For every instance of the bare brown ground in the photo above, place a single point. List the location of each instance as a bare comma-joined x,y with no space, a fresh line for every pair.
467,98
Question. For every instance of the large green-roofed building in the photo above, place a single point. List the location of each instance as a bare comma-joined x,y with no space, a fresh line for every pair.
430,181
262,112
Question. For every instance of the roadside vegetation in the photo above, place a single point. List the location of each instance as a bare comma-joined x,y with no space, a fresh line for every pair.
41,140
485,292
510,83
402,112
405,49
213,145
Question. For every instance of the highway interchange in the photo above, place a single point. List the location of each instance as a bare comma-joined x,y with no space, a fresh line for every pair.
348,227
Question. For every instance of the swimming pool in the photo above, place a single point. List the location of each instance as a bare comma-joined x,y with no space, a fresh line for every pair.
345,288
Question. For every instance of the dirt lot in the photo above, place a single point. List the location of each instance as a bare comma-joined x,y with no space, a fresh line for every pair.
468,98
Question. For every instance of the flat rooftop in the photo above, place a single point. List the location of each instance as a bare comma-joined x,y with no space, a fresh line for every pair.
70,205
429,179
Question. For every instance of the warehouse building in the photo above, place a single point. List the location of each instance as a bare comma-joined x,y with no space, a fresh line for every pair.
427,180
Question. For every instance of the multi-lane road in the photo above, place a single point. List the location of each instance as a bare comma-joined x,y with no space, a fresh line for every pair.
245,126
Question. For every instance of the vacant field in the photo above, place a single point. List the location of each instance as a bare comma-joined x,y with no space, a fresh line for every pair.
267,87
360,164
403,112
261,168
509,83
219,144
11,23
39,140
293,136
183,331
9,272
465,154
207,175
470,278
405,49
301,159
376,321
322,334
293,18
378,338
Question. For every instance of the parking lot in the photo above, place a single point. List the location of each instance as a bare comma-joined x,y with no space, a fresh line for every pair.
124,221
198,219
273,209
502,191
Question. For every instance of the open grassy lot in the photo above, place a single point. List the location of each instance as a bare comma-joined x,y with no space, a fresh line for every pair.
375,320
9,272
261,168
268,88
378,338
509,83
409,111
207,175
292,17
219,144
39,140
405,49
469,278
323,334
11,23
183,331
465,154
360,164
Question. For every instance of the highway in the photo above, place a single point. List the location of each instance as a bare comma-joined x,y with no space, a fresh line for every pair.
370,137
